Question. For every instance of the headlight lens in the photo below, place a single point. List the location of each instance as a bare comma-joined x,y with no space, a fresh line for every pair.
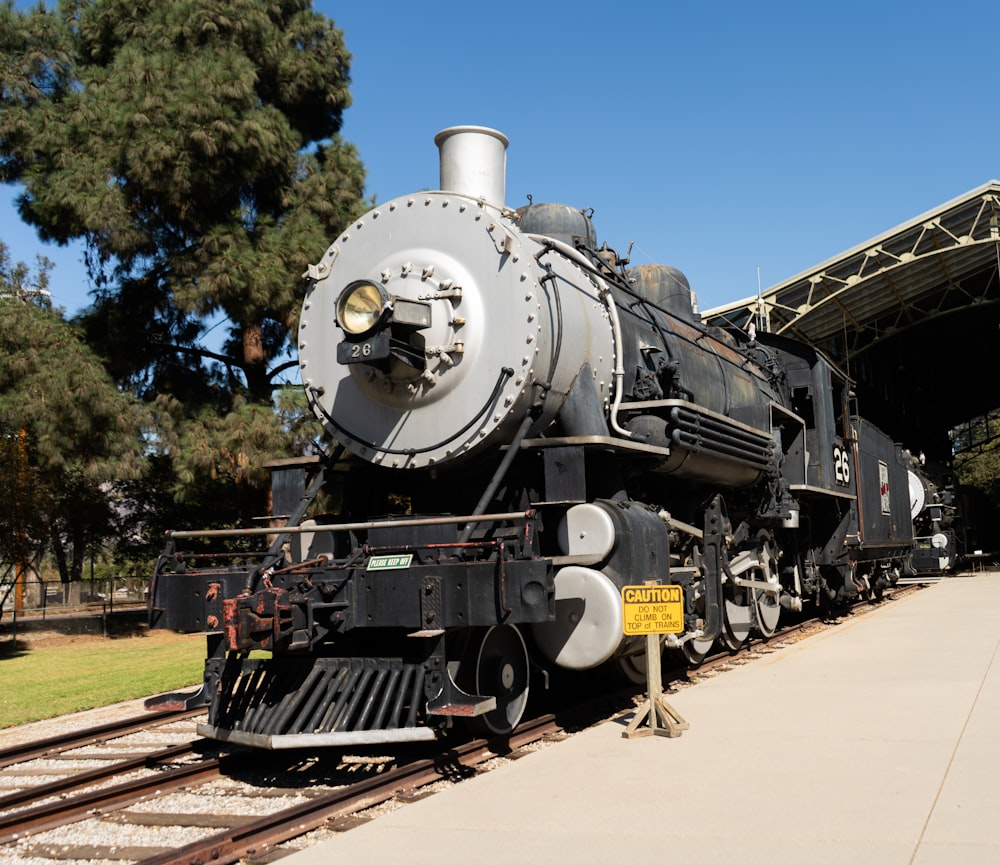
360,307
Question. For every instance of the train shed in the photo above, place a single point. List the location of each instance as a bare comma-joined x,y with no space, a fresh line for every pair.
912,315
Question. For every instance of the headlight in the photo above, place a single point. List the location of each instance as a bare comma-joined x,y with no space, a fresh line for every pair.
360,307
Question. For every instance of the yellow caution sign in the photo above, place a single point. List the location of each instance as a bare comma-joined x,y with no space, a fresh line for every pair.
652,610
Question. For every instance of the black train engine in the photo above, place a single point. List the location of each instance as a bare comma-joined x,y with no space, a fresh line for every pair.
937,542
523,427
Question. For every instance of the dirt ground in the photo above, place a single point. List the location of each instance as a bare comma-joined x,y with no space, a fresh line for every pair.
34,626
38,637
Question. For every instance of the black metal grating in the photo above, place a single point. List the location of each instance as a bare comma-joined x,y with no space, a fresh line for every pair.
279,697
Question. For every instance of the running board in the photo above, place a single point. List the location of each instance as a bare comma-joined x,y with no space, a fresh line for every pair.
178,701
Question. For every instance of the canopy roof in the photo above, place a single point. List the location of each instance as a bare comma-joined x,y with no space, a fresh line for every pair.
913,315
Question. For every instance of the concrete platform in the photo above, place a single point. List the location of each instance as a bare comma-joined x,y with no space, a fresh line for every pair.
874,742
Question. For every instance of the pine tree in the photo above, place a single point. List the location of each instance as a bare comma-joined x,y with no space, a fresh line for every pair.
66,430
193,145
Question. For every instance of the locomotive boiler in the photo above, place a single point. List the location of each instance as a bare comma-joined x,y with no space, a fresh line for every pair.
524,425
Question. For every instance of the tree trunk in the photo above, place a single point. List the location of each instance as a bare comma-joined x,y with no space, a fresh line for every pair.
255,363
59,551
79,551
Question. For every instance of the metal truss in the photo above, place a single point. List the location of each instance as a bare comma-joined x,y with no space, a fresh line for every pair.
945,261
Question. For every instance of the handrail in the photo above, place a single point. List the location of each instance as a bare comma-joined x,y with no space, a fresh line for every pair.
353,527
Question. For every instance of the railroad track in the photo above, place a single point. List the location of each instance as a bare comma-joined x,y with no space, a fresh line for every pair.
97,735
791,632
261,836
250,838
255,836
90,777
39,818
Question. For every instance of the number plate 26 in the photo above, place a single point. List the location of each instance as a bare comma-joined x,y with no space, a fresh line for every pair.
841,466
367,350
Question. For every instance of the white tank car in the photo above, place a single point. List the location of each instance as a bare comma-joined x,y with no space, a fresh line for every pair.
478,328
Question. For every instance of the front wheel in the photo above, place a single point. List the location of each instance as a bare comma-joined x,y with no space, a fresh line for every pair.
501,670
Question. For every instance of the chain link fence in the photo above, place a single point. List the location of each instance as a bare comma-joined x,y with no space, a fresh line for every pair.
83,606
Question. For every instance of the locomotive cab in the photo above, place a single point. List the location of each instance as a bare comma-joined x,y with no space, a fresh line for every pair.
854,498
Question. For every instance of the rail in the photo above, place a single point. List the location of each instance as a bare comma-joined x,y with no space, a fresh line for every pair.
91,735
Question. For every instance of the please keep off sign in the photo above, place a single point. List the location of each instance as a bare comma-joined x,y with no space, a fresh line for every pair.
652,610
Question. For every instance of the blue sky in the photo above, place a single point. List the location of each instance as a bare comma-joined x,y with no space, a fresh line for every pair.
718,136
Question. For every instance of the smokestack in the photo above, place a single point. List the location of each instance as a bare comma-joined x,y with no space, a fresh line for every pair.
473,162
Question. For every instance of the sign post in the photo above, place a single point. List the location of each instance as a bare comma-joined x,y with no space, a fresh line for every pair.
652,610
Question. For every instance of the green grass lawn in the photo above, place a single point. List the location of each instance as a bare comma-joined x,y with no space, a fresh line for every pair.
43,681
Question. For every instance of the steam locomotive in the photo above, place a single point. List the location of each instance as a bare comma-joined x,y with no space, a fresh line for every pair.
525,425
936,516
